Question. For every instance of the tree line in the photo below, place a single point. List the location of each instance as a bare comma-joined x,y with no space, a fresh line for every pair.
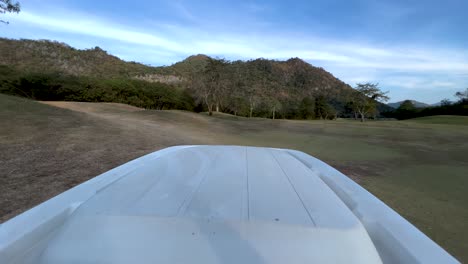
408,110
218,86
62,87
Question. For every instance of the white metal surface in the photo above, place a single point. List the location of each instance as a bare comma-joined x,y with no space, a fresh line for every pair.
216,204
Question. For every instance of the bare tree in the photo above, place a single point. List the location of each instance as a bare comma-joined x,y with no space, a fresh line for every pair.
276,107
273,104
366,97
7,6
253,88
213,85
253,101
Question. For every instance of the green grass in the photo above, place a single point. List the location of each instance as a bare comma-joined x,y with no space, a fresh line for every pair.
419,167
441,119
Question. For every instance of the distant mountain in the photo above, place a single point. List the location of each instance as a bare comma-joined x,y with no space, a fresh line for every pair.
415,103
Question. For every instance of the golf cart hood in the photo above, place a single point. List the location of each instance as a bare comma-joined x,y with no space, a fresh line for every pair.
217,204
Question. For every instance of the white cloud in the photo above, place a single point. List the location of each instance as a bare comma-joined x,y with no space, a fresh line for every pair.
85,25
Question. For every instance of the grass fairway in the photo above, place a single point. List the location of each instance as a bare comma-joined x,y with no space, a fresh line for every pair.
442,119
418,168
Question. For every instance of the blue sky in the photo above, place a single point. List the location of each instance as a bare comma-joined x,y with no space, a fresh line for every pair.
414,49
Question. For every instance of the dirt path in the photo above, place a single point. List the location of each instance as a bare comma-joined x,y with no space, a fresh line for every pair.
47,148
93,107
148,122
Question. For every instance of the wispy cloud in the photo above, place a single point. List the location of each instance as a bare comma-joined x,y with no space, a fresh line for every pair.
183,11
182,40
84,25
420,83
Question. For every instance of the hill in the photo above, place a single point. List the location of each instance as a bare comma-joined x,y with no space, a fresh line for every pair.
52,56
264,84
259,87
415,103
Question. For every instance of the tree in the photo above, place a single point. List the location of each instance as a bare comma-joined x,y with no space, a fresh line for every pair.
445,102
364,100
406,110
273,105
407,105
236,94
255,84
208,84
463,95
351,109
323,109
7,6
307,108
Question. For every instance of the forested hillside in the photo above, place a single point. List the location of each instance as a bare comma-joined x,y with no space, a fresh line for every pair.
52,56
290,89
48,70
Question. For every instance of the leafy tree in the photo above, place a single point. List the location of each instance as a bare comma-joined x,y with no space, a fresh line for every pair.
407,105
307,108
406,110
364,100
323,109
352,108
445,102
8,6
463,95
235,92
48,86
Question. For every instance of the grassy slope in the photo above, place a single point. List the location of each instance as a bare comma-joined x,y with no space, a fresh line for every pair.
441,119
419,169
